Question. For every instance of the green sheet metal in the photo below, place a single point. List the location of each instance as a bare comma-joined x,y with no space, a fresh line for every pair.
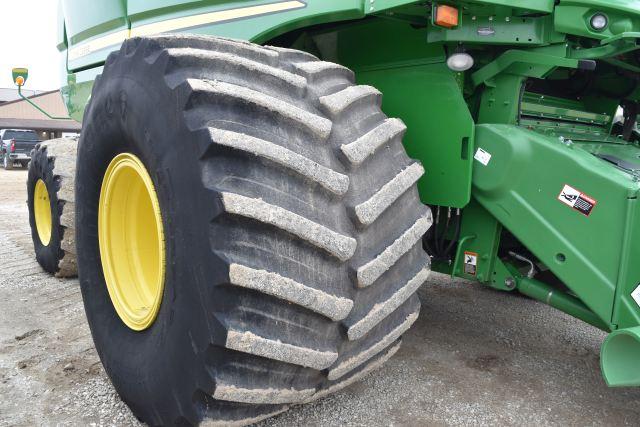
619,358
573,17
418,88
523,184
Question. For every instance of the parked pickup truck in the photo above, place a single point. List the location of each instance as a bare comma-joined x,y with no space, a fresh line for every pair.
16,146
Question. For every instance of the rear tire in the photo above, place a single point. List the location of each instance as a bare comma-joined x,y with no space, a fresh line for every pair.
292,223
53,162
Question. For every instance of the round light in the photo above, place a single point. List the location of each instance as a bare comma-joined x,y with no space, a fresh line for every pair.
460,62
599,22
19,80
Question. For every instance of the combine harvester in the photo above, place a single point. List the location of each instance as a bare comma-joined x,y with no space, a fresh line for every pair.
248,228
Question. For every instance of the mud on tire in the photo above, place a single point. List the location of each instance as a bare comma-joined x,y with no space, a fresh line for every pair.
293,227
53,162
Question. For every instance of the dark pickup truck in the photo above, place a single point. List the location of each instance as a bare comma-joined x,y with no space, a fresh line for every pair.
16,146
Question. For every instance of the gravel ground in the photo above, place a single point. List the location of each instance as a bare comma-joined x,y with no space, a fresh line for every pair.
475,357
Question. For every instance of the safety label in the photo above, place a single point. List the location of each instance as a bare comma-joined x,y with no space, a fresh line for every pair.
470,263
483,156
577,200
636,295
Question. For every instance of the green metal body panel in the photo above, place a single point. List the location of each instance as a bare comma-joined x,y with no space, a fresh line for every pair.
522,184
450,127
83,21
479,236
528,5
533,101
499,30
419,88
572,17
110,17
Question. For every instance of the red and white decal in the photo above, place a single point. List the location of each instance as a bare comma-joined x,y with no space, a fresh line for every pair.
470,263
577,200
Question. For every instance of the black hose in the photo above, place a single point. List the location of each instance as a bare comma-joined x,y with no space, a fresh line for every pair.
444,234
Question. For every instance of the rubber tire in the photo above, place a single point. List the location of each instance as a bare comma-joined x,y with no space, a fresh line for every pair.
261,302
7,163
53,161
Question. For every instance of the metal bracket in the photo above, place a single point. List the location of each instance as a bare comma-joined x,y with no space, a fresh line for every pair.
526,64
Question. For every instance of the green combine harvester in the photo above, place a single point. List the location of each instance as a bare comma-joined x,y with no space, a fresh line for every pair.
248,228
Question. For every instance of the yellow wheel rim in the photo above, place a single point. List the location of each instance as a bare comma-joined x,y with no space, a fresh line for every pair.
131,241
42,212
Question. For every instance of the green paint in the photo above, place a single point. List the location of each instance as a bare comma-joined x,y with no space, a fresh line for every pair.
619,358
560,300
483,238
521,186
420,89
527,101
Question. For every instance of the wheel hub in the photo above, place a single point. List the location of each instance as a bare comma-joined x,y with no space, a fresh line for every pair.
131,241
42,212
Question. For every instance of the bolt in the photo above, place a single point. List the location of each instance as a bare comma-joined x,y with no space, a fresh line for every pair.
510,283
507,19
635,175
473,18
565,141
491,18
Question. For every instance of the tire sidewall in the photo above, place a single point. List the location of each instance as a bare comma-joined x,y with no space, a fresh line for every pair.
41,168
132,110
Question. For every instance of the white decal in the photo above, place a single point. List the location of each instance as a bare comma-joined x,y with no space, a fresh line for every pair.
482,156
636,295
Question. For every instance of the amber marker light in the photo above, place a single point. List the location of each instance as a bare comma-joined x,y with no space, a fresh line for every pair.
446,16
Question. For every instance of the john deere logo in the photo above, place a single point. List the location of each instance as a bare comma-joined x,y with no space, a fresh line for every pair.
20,76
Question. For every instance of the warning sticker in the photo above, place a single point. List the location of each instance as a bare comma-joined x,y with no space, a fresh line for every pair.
470,263
483,156
577,200
636,295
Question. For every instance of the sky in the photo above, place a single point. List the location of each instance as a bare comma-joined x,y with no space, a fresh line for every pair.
28,39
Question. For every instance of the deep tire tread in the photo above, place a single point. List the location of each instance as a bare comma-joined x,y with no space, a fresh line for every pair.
284,220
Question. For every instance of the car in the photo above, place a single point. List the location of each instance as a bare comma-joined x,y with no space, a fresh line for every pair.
16,146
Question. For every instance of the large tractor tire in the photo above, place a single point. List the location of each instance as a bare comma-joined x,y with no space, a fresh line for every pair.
50,192
251,231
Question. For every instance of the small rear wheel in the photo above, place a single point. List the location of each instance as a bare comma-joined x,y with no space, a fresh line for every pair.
50,199
252,241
